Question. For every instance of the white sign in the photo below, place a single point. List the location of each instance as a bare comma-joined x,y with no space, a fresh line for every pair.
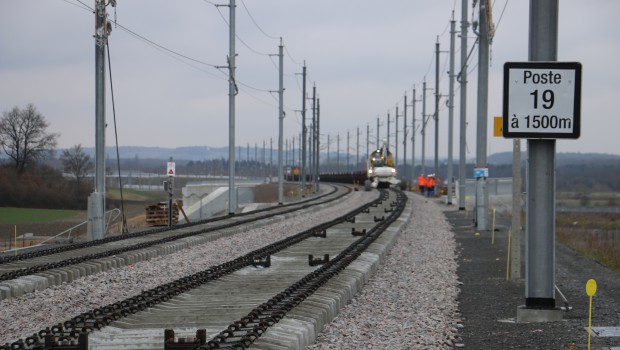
171,169
542,100
481,172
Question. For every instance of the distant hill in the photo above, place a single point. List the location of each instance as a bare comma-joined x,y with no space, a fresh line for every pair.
199,153
187,153
575,172
561,159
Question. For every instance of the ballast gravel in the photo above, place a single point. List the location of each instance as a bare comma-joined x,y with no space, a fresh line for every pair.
411,302
23,316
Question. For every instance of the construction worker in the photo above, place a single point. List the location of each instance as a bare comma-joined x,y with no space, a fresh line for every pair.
430,186
421,183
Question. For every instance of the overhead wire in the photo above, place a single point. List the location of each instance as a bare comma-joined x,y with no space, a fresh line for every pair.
501,15
288,54
118,158
161,48
255,23
270,56
238,37
176,55
80,5
193,61
448,24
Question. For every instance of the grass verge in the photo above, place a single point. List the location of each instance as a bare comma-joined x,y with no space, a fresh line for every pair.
593,235
27,216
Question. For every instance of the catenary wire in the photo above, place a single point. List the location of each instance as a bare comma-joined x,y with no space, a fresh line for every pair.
255,23
118,158
238,37
161,48
80,5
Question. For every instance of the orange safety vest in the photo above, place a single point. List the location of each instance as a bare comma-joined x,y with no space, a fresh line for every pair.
421,181
430,182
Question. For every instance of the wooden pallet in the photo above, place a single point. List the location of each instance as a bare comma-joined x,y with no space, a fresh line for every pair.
157,214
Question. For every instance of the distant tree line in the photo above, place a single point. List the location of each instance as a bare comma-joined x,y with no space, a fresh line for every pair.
32,176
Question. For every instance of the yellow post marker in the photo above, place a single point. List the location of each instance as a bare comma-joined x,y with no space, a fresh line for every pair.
493,229
508,257
498,126
590,290
15,239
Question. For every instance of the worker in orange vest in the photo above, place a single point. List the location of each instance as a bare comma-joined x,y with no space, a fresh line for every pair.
421,183
430,186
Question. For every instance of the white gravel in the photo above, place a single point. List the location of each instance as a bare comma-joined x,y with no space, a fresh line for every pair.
22,316
411,302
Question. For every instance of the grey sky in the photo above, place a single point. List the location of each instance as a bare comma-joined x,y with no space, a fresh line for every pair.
363,56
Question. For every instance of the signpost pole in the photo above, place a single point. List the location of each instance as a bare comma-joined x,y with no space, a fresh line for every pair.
171,173
542,102
540,212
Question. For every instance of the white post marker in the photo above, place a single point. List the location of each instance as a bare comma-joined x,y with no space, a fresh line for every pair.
542,100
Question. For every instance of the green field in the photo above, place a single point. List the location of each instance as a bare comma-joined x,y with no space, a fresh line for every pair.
27,216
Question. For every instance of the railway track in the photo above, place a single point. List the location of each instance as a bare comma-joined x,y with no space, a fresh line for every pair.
234,303
39,270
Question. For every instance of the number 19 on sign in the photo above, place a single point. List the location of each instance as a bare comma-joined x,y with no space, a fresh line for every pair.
542,99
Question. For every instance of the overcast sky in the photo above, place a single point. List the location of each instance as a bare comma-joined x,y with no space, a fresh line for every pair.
363,56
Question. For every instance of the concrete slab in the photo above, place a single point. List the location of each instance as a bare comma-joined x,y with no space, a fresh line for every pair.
606,331
5,291
527,315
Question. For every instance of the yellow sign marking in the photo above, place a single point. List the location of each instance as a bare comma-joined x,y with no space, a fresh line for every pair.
497,126
590,290
591,287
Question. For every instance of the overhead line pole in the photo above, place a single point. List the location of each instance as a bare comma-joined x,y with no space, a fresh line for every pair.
424,126
318,143
367,139
338,152
357,154
451,110
348,154
482,194
437,115
96,200
378,146
232,92
280,123
303,135
313,140
329,164
405,136
396,139
463,119
413,129
388,131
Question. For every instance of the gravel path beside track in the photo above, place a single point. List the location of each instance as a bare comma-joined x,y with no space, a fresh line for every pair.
23,316
411,302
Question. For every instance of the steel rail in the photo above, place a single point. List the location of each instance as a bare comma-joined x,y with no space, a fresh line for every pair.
75,328
79,259
74,246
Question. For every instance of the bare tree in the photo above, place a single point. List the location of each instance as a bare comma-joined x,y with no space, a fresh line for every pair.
76,162
23,136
